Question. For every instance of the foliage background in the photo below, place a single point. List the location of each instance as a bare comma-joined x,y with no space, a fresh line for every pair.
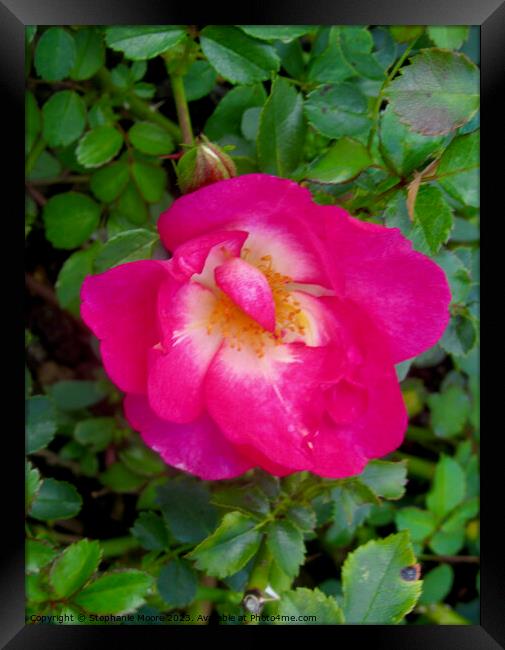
381,120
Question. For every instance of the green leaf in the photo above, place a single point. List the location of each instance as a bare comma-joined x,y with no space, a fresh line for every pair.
343,160
33,121
46,167
150,179
227,118
89,53
121,77
285,33
433,215
30,31
292,60
450,537
244,499
187,510
32,484
281,130
138,70
199,80
458,170
457,273
465,231
71,276
99,145
250,123
450,37
117,592
147,498
101,112
142,460
285,543
406,33
40,423
127,246
108,182
348,53
64,118
56,500
95,433
70,218
301,603
303,517
72,395
143,41
74,567
420,523
449,411
120,479
396,216
460,336
448,488
177,583
437,93
229,548
404,149
36,590
338,110
55,54
448,542
385,479
38,554
150,138
236,56
150,530
437,584
132,206
374,590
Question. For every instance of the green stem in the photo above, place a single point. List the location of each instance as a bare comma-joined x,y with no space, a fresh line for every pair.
35,152
182,108
418,467
217,595
71,178
118,546
443,615
389,78
261,569
138,106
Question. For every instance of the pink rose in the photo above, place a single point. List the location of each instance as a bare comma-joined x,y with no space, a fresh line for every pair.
269,338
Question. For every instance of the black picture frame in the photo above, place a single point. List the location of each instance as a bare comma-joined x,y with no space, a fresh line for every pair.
490,16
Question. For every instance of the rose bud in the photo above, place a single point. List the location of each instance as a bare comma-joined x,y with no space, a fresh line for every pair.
202,165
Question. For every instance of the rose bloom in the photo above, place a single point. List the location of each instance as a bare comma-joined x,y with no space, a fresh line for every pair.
270,337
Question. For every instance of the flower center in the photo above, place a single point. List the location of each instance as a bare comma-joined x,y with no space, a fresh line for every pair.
242,331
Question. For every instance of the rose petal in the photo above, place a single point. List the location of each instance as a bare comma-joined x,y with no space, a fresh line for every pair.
197,447
405,293
273,210
267,403
119,306
189,258
177,368
249,289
